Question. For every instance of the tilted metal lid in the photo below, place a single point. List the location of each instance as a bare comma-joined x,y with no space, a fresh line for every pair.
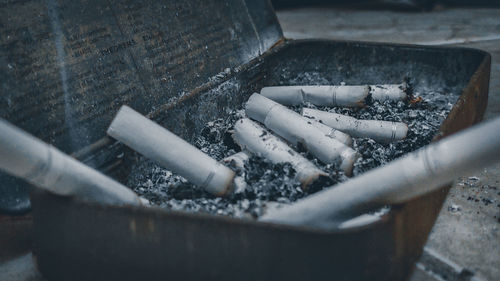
67,66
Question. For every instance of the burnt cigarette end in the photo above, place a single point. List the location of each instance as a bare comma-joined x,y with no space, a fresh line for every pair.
389,92
228,187
349,157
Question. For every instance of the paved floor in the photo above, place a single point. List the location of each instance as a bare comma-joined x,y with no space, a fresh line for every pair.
465,241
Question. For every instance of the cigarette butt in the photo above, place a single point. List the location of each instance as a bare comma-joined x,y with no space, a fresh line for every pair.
24,156
348,96
157,143
296,129
380,131
404,179
344,95
394,92
253,138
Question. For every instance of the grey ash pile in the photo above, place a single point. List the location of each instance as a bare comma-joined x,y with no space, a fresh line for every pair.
273,184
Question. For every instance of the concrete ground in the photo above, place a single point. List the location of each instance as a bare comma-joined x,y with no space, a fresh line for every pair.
465,241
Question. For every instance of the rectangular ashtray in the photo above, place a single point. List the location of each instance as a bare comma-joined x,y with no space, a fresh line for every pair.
80,241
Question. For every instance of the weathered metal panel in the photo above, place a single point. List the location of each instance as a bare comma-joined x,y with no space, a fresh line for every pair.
150,244
67,66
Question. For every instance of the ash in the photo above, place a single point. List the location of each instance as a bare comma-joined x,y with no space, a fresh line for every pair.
272,185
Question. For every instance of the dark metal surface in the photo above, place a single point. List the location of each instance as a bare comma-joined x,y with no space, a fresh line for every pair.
93,242
67,66
14,195
15,236
149,244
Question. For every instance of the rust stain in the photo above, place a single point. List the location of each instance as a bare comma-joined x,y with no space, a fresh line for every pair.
278,43
415,100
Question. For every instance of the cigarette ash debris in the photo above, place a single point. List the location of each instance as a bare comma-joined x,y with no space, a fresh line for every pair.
271,185
267,182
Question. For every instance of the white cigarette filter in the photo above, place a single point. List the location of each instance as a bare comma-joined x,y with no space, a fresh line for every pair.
253,138
348,96
298,130
380,131
170,151
414,175
394,92
333,133
24,156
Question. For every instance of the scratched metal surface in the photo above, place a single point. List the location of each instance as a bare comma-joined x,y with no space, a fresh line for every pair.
67,66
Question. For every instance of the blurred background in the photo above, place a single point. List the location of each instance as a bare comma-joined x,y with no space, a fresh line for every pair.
410,5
